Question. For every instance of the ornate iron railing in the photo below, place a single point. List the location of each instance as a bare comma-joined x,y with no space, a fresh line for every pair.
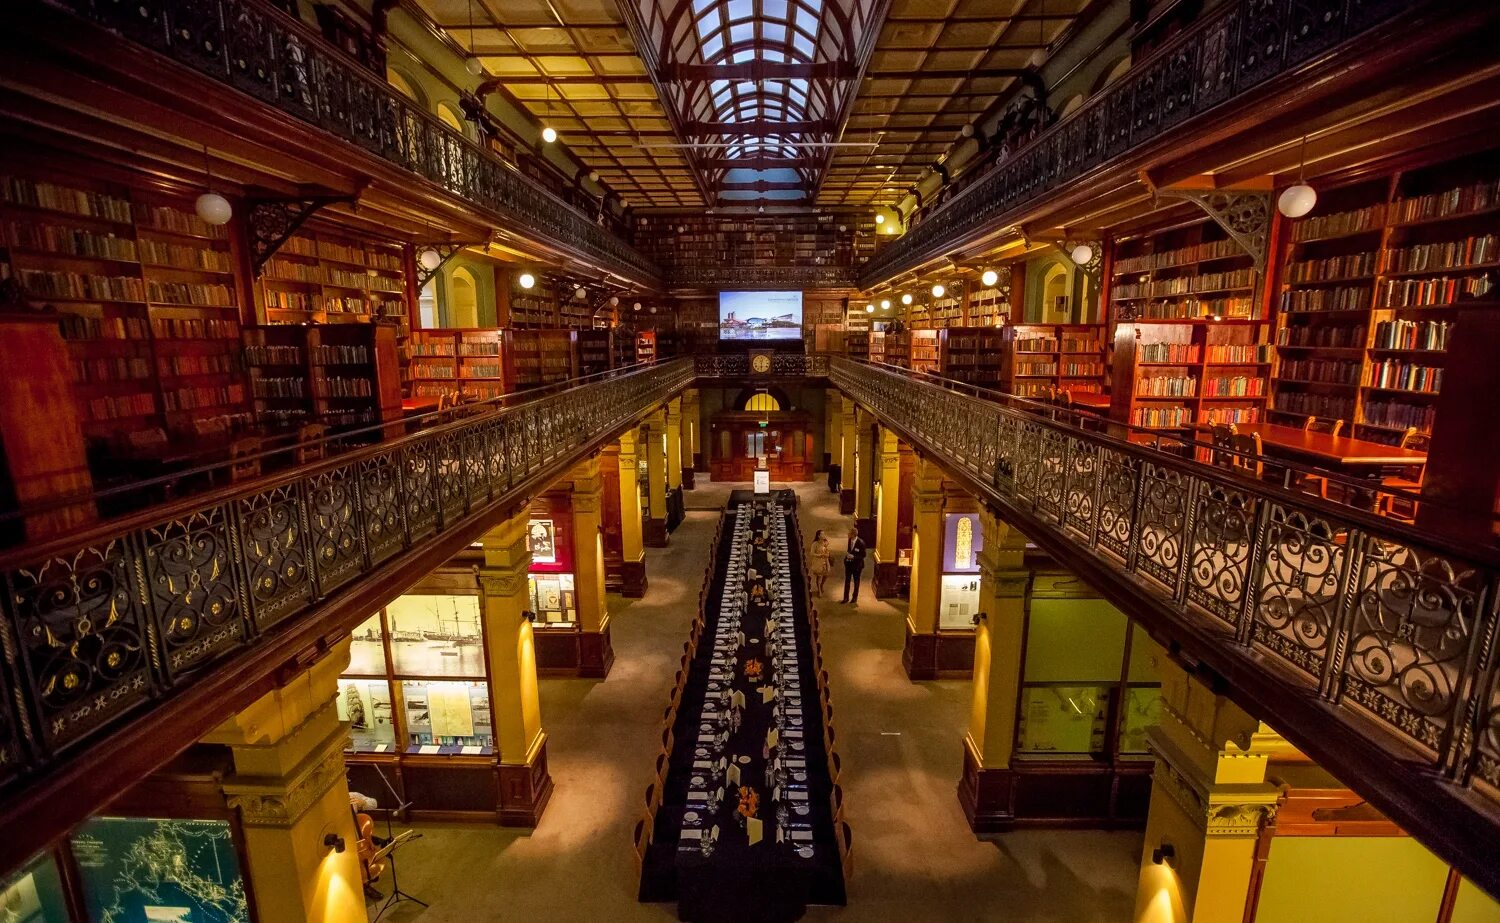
1237,46
782,364
1394,629
98,625
265,53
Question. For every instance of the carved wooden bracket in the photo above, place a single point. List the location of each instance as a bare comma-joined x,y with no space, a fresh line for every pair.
1244,214
273,221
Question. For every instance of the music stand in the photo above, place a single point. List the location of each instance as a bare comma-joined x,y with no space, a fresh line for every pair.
389,850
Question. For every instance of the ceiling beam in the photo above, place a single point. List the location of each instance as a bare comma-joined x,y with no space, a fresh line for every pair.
758,70
758,128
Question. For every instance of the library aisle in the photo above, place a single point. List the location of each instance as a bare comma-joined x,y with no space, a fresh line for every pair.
914,857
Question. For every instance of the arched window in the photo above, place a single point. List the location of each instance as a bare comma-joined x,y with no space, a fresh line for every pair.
1070,105
463,299
1116,70
761,401
427,304
451,117
405,86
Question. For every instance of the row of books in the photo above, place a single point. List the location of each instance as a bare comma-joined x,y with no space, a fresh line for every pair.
1412,334
1325,371
1333,268
120,406
197,294
279,386
1185,285
179,399
1083,369
1234,386
290,301
1402,375
82,327
1452,254
177,221
69,241
1035,368
480,370
273,355
1166,386
432,347
1400,415
1344,298
1225,415
1443,290
341,387
340,354
1353,221
1471,198
57,198
214,364
196,329
118,368
1161,416
1037,345
1214,250
1331,336
1191,308
76,285
1232,353
178,256
1078,344
1327,406
1168,352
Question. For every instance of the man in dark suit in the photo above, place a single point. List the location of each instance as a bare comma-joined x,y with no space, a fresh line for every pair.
854,565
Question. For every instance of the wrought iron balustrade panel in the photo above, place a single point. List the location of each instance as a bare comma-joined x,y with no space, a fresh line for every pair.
786,365
1354,609
93,632
266,54
1233,48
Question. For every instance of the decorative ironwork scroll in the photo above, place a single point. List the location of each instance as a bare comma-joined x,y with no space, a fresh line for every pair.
1396,634
1233,48
445,252
273,222
1244,215
785,365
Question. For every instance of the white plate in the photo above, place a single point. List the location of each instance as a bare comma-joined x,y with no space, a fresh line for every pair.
691,817
805,852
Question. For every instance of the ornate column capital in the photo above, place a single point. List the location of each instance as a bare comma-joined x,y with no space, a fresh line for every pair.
279,801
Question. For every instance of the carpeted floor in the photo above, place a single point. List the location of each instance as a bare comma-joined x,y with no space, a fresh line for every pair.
901,742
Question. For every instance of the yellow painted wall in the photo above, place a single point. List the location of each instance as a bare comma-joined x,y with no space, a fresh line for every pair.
1073,640
1351,880
1474,906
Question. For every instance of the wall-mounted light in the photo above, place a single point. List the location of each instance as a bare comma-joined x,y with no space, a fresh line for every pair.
527,280
429,259
1082,254
906,298
989,278
334,842
1165,854
939,291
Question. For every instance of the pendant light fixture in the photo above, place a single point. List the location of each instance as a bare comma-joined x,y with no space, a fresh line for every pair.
939,290
869,309
906,298
1082,254
472,64
885,304
211,207
1299,199
1039,57
527,280
989,278
549,134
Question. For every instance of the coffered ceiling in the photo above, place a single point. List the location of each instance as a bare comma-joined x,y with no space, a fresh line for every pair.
693,103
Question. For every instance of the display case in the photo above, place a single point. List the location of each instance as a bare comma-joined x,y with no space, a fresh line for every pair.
554,597
159,869
958,602
34,893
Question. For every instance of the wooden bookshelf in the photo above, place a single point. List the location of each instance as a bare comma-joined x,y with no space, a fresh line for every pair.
975,355
595,350
539,357
468,362
536,307
1370,282
1185,273
1174,375
684,242
1069,357
342,375
146,296
988,307
923,354
324,277
645,346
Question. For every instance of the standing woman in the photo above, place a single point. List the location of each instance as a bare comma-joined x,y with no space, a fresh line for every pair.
819,554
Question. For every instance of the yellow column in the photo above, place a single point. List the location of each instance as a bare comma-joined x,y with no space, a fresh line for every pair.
596,655
525,784
654,431
1004,587
289,789
848,437
633,553
864,475
832,433
674,444
887,514
691,421
920,654
1209,801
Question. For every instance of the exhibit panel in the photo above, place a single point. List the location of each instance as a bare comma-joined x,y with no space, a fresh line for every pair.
34,894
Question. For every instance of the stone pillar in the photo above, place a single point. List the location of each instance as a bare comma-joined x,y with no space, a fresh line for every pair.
984,791
887,516
919,655
674,464
848,438
1209,802
691,423
290,792
654,432
525,784
632,551
595,654
865,462
833,435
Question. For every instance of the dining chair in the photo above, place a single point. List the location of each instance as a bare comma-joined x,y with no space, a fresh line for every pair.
662,761
310,444
642,839
846,847
1317,482
1407,479
836,803
244,459
835,765
1248,458
653,798
1221,434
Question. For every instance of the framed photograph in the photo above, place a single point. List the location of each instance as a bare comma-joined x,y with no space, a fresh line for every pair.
542,537
436,635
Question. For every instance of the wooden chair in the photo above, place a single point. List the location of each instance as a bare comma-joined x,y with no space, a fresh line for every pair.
836,804
1409,479
846,847
1332,428
1222,434
662,760
310,444
1248,459
653,799
244,459
642,839
835,765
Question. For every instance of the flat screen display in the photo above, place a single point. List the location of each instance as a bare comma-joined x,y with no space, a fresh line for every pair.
760,316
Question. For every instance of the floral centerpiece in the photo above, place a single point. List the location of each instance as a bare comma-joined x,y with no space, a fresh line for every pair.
753,668
749,801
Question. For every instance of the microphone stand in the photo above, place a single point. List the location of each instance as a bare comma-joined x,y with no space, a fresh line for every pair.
396,895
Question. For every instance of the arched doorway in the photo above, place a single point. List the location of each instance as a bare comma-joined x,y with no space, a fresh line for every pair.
463,299
761,425
1057,297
